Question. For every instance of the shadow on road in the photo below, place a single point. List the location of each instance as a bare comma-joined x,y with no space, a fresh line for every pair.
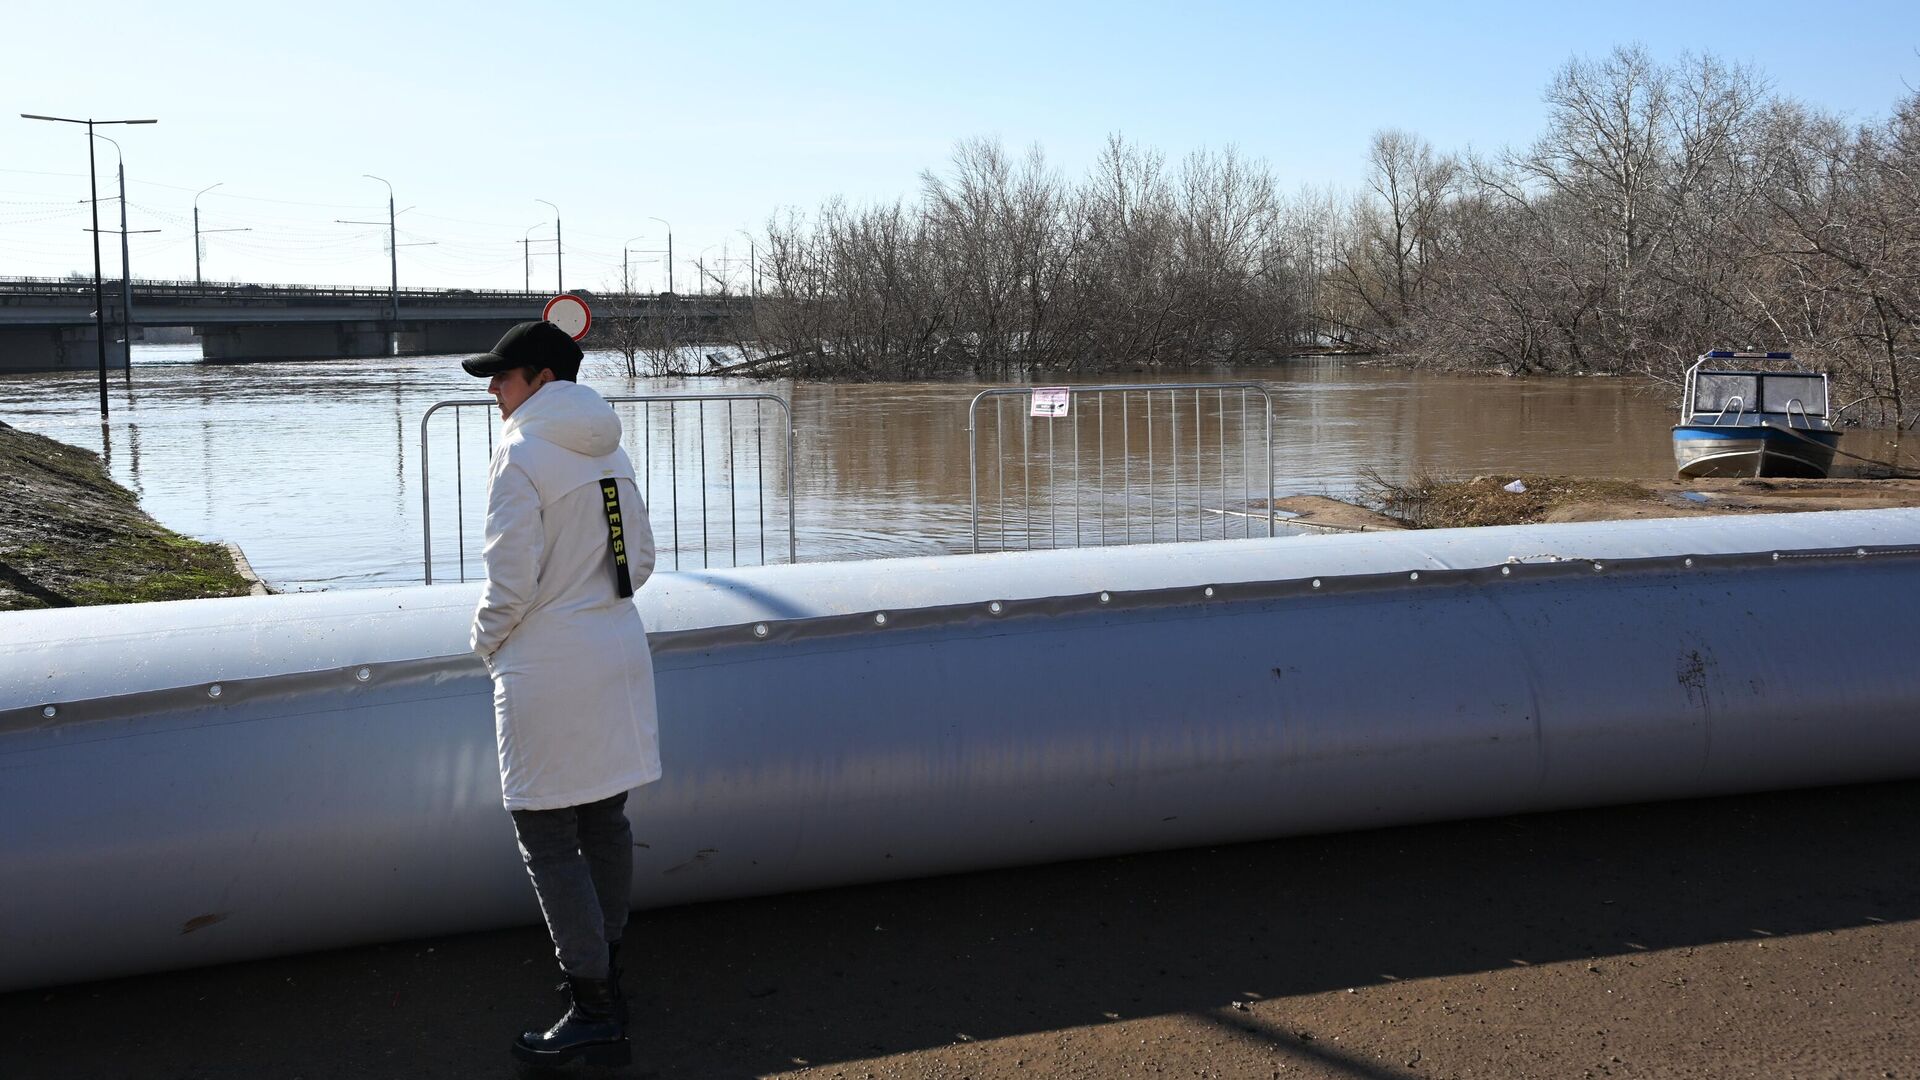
751,987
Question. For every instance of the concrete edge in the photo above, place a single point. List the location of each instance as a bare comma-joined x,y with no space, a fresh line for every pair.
255,586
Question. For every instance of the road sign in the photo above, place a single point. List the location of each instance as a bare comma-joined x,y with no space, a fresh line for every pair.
569,313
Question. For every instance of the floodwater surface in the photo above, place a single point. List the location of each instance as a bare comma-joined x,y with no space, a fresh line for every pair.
314,468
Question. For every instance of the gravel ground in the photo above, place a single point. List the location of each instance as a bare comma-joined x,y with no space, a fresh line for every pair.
1761,936
1434,503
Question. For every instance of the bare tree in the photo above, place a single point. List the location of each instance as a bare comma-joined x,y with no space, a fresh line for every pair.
619,324
1665,208
1846,234
1396,236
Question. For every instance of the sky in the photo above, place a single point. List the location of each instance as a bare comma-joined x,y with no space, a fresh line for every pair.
713,116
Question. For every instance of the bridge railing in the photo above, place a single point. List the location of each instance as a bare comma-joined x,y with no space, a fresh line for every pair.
241,290
714,470
1080,466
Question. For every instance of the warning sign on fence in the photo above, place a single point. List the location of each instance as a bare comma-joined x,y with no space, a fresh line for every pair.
1049,401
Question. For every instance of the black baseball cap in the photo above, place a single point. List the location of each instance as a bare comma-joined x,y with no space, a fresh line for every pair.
538,344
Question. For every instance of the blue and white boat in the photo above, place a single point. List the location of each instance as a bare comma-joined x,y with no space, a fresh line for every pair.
1753,422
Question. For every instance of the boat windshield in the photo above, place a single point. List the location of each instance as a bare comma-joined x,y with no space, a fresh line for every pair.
1801,392
1714,391
1752,391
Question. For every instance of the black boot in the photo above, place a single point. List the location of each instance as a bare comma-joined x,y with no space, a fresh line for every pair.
591,1031
614,974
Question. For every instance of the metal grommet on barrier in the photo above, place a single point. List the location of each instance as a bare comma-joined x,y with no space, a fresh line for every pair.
1209,590
996,607
363,674
1105,597
879,618
49,712
1316,583
1689,561
213,691
1415,576
1596,568
1776,556
759,629
1506,571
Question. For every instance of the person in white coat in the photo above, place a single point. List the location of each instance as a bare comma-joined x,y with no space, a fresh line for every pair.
567,542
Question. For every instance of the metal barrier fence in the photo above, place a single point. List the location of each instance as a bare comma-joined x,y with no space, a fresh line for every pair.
1130,452
663,435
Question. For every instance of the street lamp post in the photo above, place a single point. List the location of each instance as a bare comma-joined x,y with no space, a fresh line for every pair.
126,259
126,262
627,251
197,230
99,289
526,258
559,252
393,254
393,250
669,226
700,268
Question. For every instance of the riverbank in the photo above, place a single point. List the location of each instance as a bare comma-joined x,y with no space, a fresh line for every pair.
71,536
1427,502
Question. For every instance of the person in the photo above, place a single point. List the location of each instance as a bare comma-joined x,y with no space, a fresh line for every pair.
567,542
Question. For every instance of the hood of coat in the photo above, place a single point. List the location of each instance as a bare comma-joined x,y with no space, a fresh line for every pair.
568,415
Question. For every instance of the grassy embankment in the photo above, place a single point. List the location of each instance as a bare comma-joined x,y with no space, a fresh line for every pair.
71,536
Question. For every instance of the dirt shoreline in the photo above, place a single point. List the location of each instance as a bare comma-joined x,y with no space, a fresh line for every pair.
1427,502
1768,935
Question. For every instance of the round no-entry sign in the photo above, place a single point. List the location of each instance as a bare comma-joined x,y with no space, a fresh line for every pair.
569,313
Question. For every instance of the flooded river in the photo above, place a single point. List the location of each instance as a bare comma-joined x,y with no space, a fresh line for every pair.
314,468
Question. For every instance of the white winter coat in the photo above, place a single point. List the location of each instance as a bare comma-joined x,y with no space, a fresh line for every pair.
573,701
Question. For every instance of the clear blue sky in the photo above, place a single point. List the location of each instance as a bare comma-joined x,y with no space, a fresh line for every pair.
713,115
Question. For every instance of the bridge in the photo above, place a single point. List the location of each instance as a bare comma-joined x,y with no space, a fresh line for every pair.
48,324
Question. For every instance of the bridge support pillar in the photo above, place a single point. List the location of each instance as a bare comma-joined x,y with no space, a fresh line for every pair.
450,337
304,341
56,348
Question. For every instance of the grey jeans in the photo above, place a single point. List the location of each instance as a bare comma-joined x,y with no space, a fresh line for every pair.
581,862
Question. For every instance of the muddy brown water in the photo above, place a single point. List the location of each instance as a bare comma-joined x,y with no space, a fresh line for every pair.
314,467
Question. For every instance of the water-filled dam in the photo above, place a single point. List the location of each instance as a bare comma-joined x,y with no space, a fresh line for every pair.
204,781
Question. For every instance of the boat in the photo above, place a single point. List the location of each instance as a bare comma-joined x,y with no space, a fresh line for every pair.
1753,422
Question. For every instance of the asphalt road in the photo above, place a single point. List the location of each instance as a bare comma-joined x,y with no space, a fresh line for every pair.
1774,935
